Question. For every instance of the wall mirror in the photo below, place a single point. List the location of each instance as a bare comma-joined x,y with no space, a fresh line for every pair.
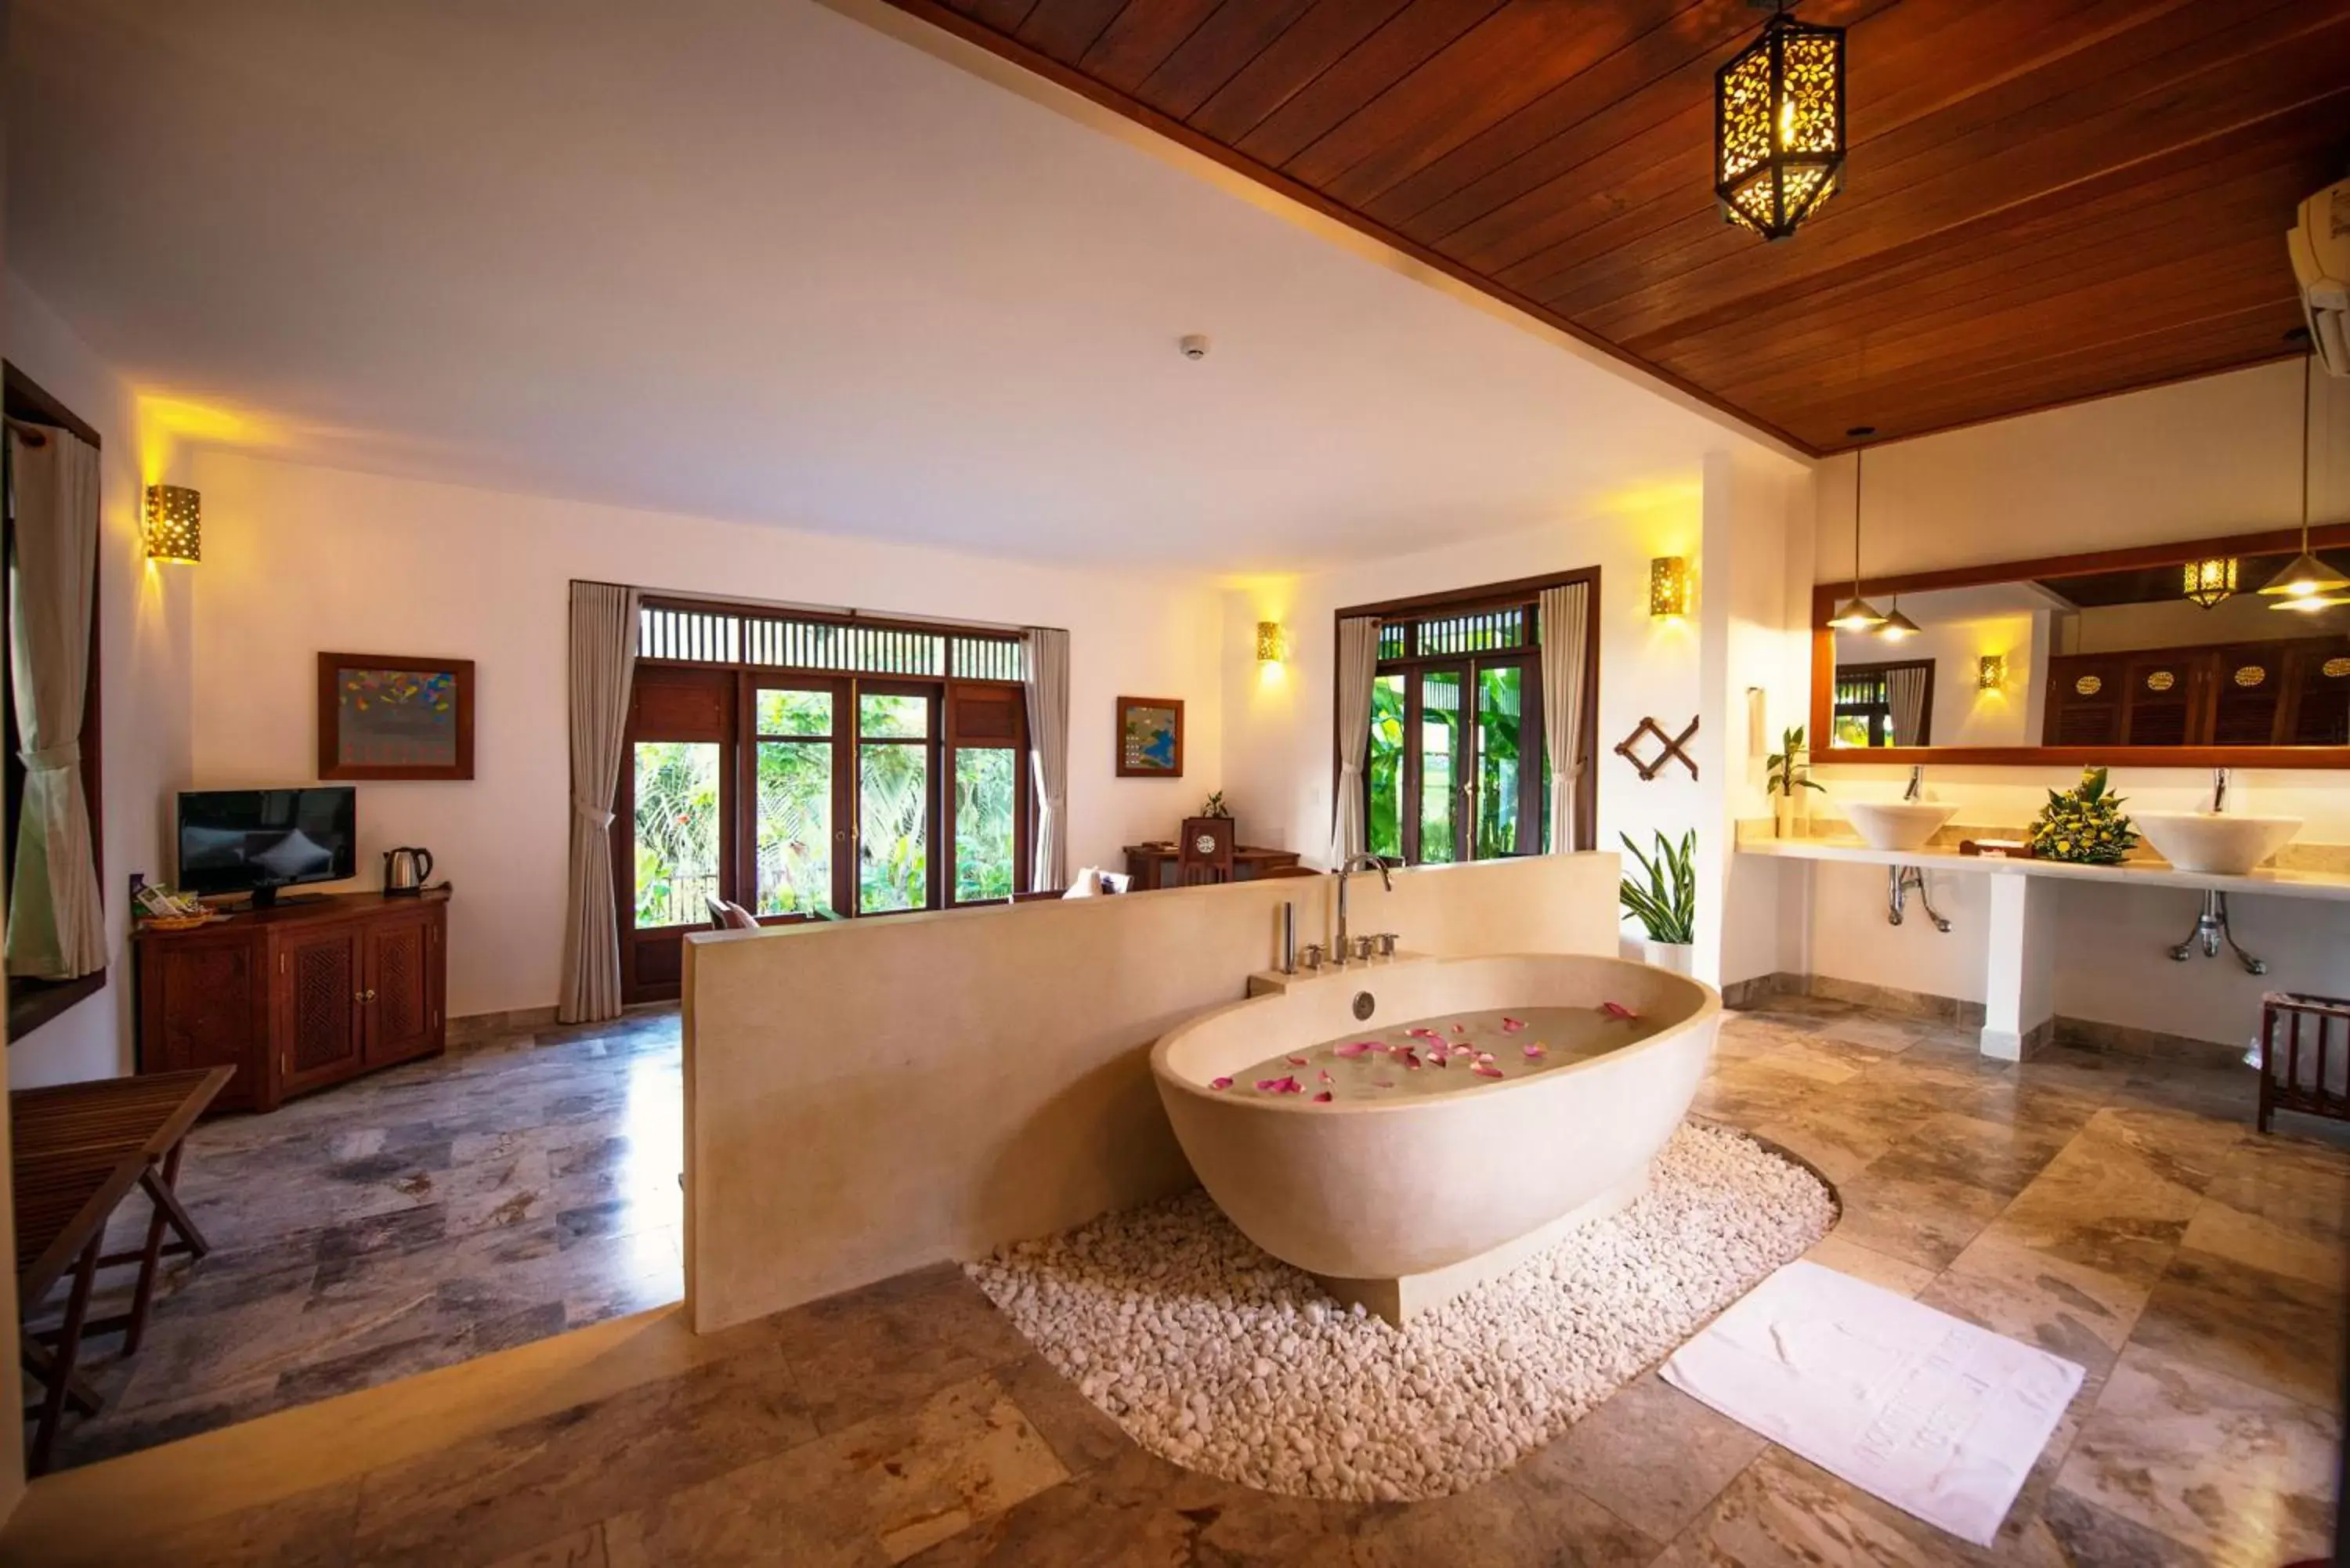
2169,654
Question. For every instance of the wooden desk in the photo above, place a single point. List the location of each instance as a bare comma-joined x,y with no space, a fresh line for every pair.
1153,865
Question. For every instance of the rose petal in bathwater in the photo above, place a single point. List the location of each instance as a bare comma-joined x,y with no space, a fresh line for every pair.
1511,1025
1326,1077
1220,1083
1354,1048
1483,1071
1440,1059
1461,1029
1616,1010
1410,1057
1267,1085
1536,1051
1382,1083
1323,1098
1484,1058
1296,1061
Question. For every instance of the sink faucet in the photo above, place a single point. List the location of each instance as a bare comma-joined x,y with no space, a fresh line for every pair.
2219,791
1917,790
1348,867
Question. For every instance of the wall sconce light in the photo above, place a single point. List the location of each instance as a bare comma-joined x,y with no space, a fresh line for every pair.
1272,642
1990,672
1668,586
175,524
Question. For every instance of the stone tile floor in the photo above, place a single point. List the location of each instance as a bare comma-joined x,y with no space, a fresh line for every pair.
2120,1212
513,1190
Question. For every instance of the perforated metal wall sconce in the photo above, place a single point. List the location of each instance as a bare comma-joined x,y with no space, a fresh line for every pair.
1272,642
175,524
1990,672
1668,586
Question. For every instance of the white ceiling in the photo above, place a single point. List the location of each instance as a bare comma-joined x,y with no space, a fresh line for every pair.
760,260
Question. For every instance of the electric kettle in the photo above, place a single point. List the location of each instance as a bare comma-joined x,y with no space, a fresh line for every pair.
404,871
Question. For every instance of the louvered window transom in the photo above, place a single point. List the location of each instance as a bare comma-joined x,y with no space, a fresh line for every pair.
1448,636
835,647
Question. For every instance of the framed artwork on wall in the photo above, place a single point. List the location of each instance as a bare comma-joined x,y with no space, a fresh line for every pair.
383,717
1151,737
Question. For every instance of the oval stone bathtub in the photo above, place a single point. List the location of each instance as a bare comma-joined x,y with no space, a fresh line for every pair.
1403,1203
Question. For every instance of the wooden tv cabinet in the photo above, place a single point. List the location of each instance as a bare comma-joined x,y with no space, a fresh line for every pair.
298,997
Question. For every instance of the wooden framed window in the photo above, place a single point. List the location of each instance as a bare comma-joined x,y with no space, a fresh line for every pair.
33,1003
1865,703
1455,767
810,766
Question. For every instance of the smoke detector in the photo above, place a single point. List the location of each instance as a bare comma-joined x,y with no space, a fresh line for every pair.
1194,346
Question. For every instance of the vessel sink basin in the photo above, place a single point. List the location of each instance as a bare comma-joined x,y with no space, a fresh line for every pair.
2223,845
1896,824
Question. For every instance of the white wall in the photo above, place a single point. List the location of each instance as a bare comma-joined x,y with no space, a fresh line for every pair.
300,560
1278,720
2200,459
1755,685
144,656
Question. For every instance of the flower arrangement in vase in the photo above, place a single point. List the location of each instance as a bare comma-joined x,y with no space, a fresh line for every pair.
2084,824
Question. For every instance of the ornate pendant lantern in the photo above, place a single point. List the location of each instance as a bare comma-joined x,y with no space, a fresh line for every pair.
1778,125
2211,580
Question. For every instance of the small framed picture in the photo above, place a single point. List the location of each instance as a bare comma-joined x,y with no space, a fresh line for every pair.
384,717
1151,737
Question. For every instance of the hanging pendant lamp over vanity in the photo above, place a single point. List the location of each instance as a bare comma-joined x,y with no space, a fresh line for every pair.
1778,124
2307,583
1856,614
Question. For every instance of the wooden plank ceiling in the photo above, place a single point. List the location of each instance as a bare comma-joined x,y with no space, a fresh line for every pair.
2044,201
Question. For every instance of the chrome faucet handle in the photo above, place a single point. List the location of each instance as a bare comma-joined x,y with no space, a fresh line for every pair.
1386,940
1309,957
1363,946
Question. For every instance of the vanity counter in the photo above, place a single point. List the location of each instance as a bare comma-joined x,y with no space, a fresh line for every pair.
2295,883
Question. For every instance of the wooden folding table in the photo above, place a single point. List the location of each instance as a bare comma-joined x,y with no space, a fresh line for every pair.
77,1150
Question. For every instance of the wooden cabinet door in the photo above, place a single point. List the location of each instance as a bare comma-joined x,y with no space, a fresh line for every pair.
204,1002
402,1008
320,982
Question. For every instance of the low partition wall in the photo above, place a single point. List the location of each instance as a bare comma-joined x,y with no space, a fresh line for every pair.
865,1097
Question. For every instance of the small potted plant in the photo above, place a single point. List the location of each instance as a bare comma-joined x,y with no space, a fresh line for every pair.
1215,807
1789,770
2084,824
1663,898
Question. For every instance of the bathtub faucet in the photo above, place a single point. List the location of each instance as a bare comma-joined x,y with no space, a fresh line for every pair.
1352,863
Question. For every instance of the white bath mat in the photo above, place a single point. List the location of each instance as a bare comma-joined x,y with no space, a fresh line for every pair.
1936,1417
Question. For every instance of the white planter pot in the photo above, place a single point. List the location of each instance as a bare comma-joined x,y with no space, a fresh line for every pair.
1680,958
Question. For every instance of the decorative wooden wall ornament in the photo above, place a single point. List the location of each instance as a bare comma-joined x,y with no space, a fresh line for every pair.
1672,749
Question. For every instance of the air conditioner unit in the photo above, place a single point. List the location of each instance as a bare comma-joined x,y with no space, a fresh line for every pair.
2320,244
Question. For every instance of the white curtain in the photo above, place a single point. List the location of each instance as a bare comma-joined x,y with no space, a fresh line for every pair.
1048,748
1564,618
1904,698
603,668
57,929
1358,669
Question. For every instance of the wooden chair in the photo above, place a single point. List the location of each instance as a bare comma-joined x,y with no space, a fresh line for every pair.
1205,851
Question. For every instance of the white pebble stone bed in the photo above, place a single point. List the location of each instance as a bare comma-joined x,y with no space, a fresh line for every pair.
1213,1354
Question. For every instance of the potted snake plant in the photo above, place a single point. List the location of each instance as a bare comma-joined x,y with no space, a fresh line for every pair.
1663,898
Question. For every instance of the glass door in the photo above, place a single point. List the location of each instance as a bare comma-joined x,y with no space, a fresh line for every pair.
896,751
673,830
1454,767
800,829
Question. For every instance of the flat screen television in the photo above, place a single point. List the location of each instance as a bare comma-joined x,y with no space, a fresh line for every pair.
258,840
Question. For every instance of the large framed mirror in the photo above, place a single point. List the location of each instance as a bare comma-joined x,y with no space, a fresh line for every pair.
2166,655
